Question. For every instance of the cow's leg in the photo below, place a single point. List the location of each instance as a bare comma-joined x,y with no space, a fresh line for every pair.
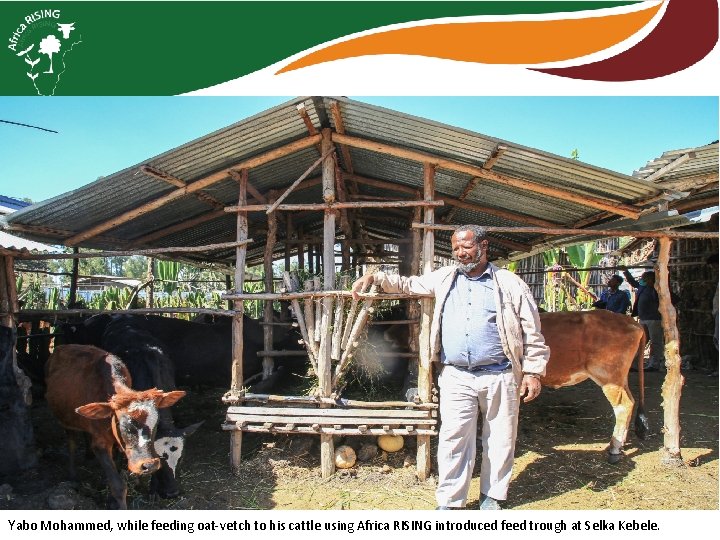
88,445
72,447
622,403
116,483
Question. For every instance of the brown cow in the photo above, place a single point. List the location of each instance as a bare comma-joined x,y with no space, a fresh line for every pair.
89,390
598,345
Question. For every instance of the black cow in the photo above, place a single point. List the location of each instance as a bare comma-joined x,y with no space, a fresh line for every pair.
201,354
150,367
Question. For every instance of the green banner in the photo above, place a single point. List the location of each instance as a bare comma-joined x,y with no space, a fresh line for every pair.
167,48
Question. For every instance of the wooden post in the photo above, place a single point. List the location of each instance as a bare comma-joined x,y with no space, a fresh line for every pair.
237,324
228,286
317,306
301,249
426,312
72,297
10,304
311,257
344,221
672,386
6,319
268,362
327,451
413,309
291,285
309,311
150,277
288,237
338,322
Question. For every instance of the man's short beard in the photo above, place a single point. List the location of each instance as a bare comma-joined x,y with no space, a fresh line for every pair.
469,267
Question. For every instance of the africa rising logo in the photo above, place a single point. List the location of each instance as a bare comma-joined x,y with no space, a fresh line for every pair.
44,41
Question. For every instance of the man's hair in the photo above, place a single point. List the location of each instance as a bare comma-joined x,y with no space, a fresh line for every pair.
479,232
649,274
618,277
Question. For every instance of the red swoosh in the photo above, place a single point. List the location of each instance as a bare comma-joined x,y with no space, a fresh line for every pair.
686,33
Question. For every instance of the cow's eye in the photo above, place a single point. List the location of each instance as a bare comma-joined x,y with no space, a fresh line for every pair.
130,425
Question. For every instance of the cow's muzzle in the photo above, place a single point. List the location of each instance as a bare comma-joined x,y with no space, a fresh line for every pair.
145,466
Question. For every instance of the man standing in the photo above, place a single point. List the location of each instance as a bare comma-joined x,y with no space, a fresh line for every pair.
485,334
614,299
647,309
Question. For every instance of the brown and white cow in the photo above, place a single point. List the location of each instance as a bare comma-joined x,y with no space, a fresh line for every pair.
90,390
598,345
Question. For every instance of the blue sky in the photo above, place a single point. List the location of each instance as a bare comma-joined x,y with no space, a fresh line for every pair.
99,136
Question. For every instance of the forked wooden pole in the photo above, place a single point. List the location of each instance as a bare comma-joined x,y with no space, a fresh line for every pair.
674,380
237,323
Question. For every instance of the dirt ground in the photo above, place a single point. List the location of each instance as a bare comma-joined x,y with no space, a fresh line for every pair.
560,463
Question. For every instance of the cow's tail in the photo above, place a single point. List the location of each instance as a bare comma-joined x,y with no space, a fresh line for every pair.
642,426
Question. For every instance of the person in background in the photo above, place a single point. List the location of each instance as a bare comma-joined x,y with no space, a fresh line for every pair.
613,298
485,335
647,309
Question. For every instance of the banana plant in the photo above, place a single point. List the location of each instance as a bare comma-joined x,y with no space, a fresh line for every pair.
53,299
168,272
584,256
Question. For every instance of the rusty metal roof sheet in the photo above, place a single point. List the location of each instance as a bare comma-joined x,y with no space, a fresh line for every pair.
57,219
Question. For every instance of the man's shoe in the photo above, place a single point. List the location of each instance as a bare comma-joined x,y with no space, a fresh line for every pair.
488,503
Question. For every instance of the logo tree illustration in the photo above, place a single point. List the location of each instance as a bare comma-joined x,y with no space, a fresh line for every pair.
50,45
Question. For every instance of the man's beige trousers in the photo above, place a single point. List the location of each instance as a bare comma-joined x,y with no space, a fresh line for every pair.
464,396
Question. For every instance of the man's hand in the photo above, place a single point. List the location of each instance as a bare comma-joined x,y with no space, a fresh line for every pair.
362,284
530,388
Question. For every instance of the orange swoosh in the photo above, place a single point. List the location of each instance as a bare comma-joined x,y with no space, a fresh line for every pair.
497,42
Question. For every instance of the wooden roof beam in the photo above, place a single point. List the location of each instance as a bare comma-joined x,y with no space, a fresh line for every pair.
669,167
252,190
189,189
414,155
312,130
669,197
181,226
61,233
187,224
390,205
177,182
382,184
451,201
664,233
340,128
690,205
469,187
473,182
494,157
203,218
302,111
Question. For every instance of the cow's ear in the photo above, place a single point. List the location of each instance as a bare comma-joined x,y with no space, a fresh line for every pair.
168,399
95,411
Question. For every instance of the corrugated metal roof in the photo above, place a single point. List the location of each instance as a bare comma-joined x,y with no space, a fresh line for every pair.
62,217
11,242
694,166
10,204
